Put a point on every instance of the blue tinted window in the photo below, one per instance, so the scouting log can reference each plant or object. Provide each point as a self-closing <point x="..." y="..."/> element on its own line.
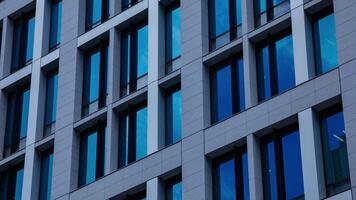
<point x="24" y="113"/>
<point x="224" y="181"/>
<point x="275" y="67"/>
<point x="223" y="95"/>
<point x="238" y="12"/>
<point x="91" y="156"/>
<point x="92" y="69"/>
<point x="56" y="23"/>
<point x="174" y="190"/>
<point x="125" y="58"/>
<point x="124" y="134"/>
<point x="51" y="99"/>
<point x="325" y="44"/>
<point x="30" y="38"/>
<point x="282" y="152"/>
<point x="337" y="177"/>
<point x="245" y="176"/>
<point x="173" y="37"/>
<point x="240" y="83"/>
<point x="174" y="113"/>
<point x="97" y="11"/>
<point x="292" y="162"/>
<point x="220" y="17"/>
<point x="285" y="64"/>
<point x="141" y="133"/>
<point x="142" y="51"/>
<point x="18" y="184"/>
<point x="46" y="176"/>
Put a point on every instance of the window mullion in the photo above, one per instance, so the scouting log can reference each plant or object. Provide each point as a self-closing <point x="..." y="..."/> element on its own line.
<point x="279" y="165"/>
<point x="272" y="66"/>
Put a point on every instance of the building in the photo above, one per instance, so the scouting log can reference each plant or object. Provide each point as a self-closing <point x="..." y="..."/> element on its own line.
<point x="169" y="99"/>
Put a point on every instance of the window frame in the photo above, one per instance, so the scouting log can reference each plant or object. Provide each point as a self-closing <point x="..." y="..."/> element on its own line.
<point x="51" y="74"/>
<point x="105" y="14"/>
<point x="269" y="11"/>
<point x="233" y="30"/>
<point x="276" y="136"/>
<point x="55" y="46"/>
<point x="169" y="64"/>
<point x="131" y="85"/>
<point x="99" y="129"/>
<point x="103" y="48"/>
<point x="231" y="61"/>
<point x="169" y="113"/>
<point x="235" y="155"/>
<point x="270" y="44"/>
<point x="316" y="44"/>
<point x="323" y="115"/>
<point x="45" y="154"/>
<point x="130" y="114"/>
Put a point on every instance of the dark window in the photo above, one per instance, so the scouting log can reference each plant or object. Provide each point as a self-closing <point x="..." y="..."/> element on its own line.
<point x="173" y="37"/>
<point x="227" y="85"/>
<point x="46" y="175"/>
<point x="132" y="135"/>
<point x="11" y="183"/>
<point x="95" y="79"/>
<point x="22" y="46"/>
<point x="174" y="189"/>
<point x="97" y="12"/>
<point x="92" y="147"/>
<point x="56" y="24"/>
<point x="134" y="57"/>
<point x="230" y="176"/>
<point x="267" y="10"/>
<point x="16" y="120"/>
<point x="275" y="66"/>
<point x="129" y="3"/>
<point x="51" y="103"/>
<point x="282" y="165"/>
<point x="336" y="165"/>
<point x="225" y="22"/>
<point x="325" y="42"/>
<point x="173" y="116"/>
<point x="138" y="196"/>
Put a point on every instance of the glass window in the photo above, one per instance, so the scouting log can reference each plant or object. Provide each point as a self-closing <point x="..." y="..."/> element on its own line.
<point x="275" y="66"/>
<point x="134" y="54"/>
<point x="92" y="144"/>
<point x="173" y="36"/>
<point x="129" y="3"/>
<point x="227" y="89"/>
<point x="325" y="43"/>
<point x="56" y="24"/>
<point x="138" y="196"/>
<point x="22" y="50"/>
<point x="132" y="135"/>
<point x="51" y="102"/>
<point x="97" y="12"/>
<point x="95" y="80"/>
<point x="174" y="189"/>
<point x="336" y="165"/>
<point x="174" y="116"/>
<point x="46" y="175"/>
<point x="11" y="183"/>
<point x="282" y="165"/>
<point x="230" y="176"/>
<point x="16" y="120"/>
<point x="225" y="22"/>
<point x="267" y="10"/>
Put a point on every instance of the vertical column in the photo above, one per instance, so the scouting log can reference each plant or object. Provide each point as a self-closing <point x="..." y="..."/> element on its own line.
<point x="154" y="189"/>
<point x="196" y="170"/>
<point x="254" y="166"/>
<point x="302" y="43"/>
<point x="195" y="76"/>
<point x="311" y="154"/>
<point x="154" y="100"/>
<point x="41" y="22"/>
<point x="31" y="178"/>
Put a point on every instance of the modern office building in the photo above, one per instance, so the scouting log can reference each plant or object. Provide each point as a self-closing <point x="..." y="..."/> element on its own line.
<point x="177" y="99"/>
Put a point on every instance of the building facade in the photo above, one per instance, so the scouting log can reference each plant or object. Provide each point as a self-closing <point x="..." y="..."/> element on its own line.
<point x="177" y="99"/>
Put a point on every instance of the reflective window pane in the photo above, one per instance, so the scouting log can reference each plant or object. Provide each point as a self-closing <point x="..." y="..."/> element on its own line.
<point x="224" y="181"/>
<point x="223" y="97"/>
<point x="240" y="83"/>
<point x="142" y="51"/>
<point x="18" y="184"/>
<point x="220" y="19"/>
<point x="46" y="176"/>
<point x="325" y="44"/>
<point x="96" y="12"/>
<point x="141" y="133"/>
<point x="263" y="72"/>
<point x="56" y="23"/>
<point x="285" y="64"/>
<point x="245" y="178"/>
<point x="269" y="172"/>
<point x="125" y="58"/>
<point x="337" y="177"/>
<point x="124" y="141"/>
<point x="30" y="38"/>
<point x="173" y="117"/>
<point x="51" y="99"/>
<point x="173" y="37"/>
<point x="174" y="189"/>
<point x="24" y="113"/>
